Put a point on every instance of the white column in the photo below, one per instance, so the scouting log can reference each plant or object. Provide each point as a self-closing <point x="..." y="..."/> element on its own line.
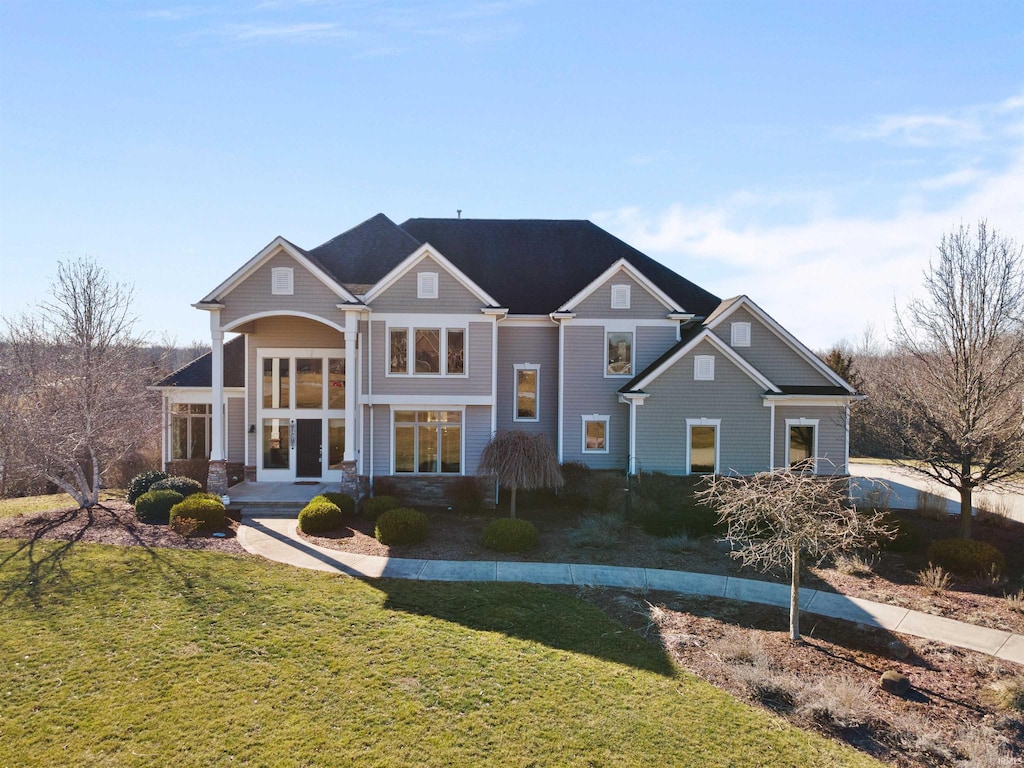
<point x="217" y="407"/>
<point x="351" y="383"/>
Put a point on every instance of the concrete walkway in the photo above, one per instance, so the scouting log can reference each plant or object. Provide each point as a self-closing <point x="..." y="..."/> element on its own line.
<point x="277" y="539"/>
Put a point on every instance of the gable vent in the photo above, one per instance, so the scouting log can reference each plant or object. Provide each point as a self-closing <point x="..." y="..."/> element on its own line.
<point x="741" y="334"/>
<point x="282" y="281"/>
<point x="426" y="285"/>
<point x="620" y="297"/>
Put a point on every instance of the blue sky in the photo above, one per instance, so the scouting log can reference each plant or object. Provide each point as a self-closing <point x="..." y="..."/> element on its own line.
<point x="808" y="154"/>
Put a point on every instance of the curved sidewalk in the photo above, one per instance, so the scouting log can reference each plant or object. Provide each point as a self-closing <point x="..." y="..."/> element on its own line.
<point x="276" y="538"/>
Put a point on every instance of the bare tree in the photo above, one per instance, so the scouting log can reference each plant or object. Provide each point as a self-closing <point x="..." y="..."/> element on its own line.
<point x="775" y="518"/>
<point x="521" y="460"/>
<point x="75" y="382"/>
<point x="952" y="393"/>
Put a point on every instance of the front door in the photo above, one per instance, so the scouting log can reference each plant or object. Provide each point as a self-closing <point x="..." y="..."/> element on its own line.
<point x="308" y="448"/>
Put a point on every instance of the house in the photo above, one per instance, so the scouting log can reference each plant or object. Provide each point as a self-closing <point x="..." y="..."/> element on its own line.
<point x="399" y="350"/>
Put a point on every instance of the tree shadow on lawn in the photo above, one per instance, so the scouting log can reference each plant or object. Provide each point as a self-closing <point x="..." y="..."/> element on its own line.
<point x="528" y="612"/>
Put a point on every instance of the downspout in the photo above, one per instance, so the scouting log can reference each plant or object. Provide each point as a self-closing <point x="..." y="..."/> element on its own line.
<point x="369" y="389"/>
<point x="632" y="436"/>
<point x="846" y="466"/>
<point x="561" y="386"/>
<point x="771" y="436"/>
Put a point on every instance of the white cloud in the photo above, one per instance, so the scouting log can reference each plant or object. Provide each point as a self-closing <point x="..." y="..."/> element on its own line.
<point x="285" y="32"/>
<point x="923" y="130"/>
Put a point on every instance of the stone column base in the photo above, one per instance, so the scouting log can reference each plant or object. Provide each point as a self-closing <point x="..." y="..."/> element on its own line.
<point x="217" y="480"/>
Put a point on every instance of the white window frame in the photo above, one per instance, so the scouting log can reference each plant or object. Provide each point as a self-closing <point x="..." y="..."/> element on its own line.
<point x="420" y="408"/>
<point x="632" y="353"/>
<point x="606" y="420"/>
<point x="426" y="285"/>
<point x="515" y="391"/>
<point x="176" y="416"/>
<point x="282" y="281"/>
<point x="690" y="423"/>
<point x="621" y="296"/>
<point x="739" y="334"/>
<point x="700" y="374"/>
<point x="410" y="350"/>
<point x="802" y="422"/>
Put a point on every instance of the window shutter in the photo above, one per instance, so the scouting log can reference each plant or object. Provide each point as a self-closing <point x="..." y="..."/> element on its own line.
<point x="282" y="281"/>
<point x="620" y="297"/>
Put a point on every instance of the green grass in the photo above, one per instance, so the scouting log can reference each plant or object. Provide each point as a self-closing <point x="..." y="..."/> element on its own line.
<point x="27" y="505"/>
<point x="127" y="656"/>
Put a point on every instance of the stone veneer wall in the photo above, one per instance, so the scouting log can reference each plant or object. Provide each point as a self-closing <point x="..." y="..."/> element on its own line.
<point x="428" y="490"/>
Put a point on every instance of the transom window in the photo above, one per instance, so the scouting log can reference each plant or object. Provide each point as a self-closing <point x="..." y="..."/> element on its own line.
<point x="300" y="383"/>
<point x="428" y="442"/>
<point x="435" y="351"/>
<point x="702" y="446"/>
<point x="190" y="431"/>
<point x="527" y="392"/>
<point x="595" y="434"/>
<point x="619" y="346"/>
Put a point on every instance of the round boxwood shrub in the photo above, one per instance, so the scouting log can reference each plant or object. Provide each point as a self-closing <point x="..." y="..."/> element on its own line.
<point x="342" y="501"/>
<point x="206" y="508"/>
<point x="155" y="506"/>
<point x="320" y="515"/>
<point x="142" y="483"/>
<point x="508" y="535"/>
<point x="967" y="558"/>
<point x="186" y="486"/>
<point x="401" y="525"/>
<point x="376" y="506"/>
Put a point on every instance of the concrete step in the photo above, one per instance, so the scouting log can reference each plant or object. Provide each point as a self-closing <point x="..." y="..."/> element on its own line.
<point x="269" y="508"/>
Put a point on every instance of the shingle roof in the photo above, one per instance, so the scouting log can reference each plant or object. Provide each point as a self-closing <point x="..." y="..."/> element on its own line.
<point x="199" y="373"/>
<point x="365" y="253"/>
<point x="533" y="266"/>
<point x="788" y="389"/>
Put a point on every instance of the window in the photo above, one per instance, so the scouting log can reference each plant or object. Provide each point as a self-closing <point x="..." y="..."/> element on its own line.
<point x="620" y="297"/>
<point x="282" y="281"/>
<point x="740" y="334"/>
<point x="527" y="392"/>
<point x="595" y="434"/>
<point x="801" y="444"/>
<point x="276" y="437"/>
<point x="456" y="351"/>
<point x="426" y="285"/>
<point x="428" y="442"/>
<point x="309" y="383"/>
<point x="435" y="351"/>
<point x="703" y="367"/>
<point x="702" y="446"/>
<point x="190" y="431"/>
<point x="276" y="383"/>
<point x="335" y="443"/>
<point x="336" y="382"/>
<point x="620" y="353"/>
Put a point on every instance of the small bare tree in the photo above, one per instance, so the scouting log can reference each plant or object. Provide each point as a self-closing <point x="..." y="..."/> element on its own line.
<point x="521" y="460"/>
<point x="952" y="394"/>
<point x="75" y="382"/>
<point x="774" y="519"/>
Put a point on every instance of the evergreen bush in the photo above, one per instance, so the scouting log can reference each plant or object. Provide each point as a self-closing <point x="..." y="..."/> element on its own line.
<point x="508" y="535"/>
<point x="401" y="525"/>
<point x="142" y="483"/>
<point x="374" y="507"/>
<point x="206" y="508"/>
<point x="320" y="515"/>
<point x="967" y="558"/>
<point x="155" y="506"/>
<point x="186" y="486"/>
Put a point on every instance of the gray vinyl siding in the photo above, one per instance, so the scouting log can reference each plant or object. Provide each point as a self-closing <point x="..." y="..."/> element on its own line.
<point x="769" y="354"/>
<point x="831" y="435"/>
<point x="479" y="349"/>
<point x="651" y="343"/>
<point x="381" y="440"/>
<point x="528" y="345"/>
<point x="476" y="433"/>
<point x="236" y="429"/>
<point x="587" y="391"/>
<point x="452" y="296"/>
<point x="254" y="295"/>
<point x="733" y="397"/>
<point x="641" y="305"/>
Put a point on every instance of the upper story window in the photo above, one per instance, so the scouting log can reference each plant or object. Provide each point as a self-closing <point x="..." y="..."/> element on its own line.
<point x="282" y="281"/>
<point x="619" y="360"/>
<point x="620" y="297"/>
<point x="703" y="367"/>
<point x="426" y="285"/>
<point x="740" y="335"/>
<point x="527" y="392"/>
<point x="435" y="351"/>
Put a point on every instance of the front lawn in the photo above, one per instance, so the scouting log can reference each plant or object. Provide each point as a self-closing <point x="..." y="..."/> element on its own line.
<point x="137" y="656"/>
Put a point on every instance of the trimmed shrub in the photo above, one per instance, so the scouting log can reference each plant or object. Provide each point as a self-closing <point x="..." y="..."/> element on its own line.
<point x="207" y="508"/>
<point x="402" y="525"/>
<point x="140" y="484"/>
<point x="342" y="501"/>
<point x="155" y="506"/>
<point x="320" y="515"/>
<point x="186" y="486"/>
<point x="967" y="558"/>
<point x="465" y="495"/>
<point x="374" y="507"/>
<point x="508" y="535"/>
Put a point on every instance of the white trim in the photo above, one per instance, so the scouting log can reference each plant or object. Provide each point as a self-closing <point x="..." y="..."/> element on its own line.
<point x="784" y="335"/>
<point x="283" y="313"/>
<point x="810" y="401"/>
<point x="561" y="391"/>
<point x="515" y="391"/>
<point x="588" y="417"/>
<point x="406" y="405"/>
<point x="703" y="367"/>
<point x="717" y="343"/>
<point x="608" y="274"/>
<point x="690" y="423"/>
<point x="426" y="323"/>
<point x="739" y="334"/>
<point x="447" y="402"/>
<point x="802" y="422"/>
<point x="529" y="321"/>
<point x="626" y="322"/>
<point x="414" y="258"/>
<point x="275" y="246"/>
<point x="771" y="436"/>
<point x="632" y="353"/>
<point x="418" y="318"/>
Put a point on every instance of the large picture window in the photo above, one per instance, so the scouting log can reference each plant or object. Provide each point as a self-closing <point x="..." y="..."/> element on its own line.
<point x="190" y="431"/>
<point x="620" y="353"/>
<point x="428" y="442"/>
<point x="435" y="351"/>
<point x="527" y="392"/>
<point x="702" y="446"/>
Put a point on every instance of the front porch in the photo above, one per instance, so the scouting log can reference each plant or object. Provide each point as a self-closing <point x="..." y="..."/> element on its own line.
<point x="275" y="499"/>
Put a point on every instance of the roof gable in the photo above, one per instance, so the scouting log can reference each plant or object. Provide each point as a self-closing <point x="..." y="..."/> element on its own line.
<point x="427" y="252"/>
<point x="366" y="253"/>
<point x="618" y="267"/>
